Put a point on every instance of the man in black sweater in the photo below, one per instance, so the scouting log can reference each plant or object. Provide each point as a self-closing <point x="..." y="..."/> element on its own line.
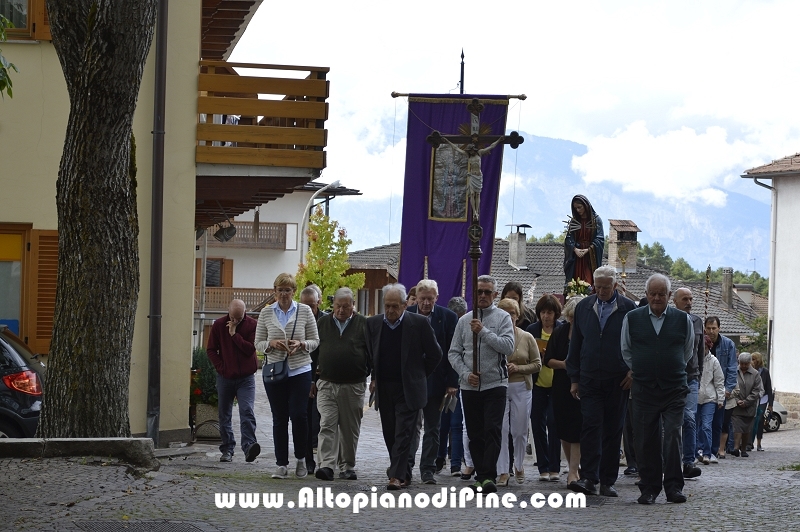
<point x="343" y="366"/>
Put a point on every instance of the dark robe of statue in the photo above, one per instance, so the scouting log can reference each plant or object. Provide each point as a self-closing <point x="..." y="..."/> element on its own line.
<point x="584" y="232"/>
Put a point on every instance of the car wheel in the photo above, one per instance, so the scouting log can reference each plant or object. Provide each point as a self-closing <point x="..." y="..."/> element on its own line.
<point x="8" y="430"/>
<point x="773" y="423"/>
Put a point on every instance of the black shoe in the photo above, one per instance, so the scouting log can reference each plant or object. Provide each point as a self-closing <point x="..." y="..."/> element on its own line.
<point x="631" y="471"/>
<point x="744" y="454"/>
<point x="455" y="471"/>
<point x="489" y="487"/>
<point x="428" y="478"/>
<point x="647" y="498"/>
<point x="348" y="475"/>
<point x="584" y="486"/>
<point x="439" y="464"/>
<point x="691" y="471"/>
<point x="226" y="457"/>
<point x="734" y="452"/>
<point x="528" y="450"/>
<point x="252" y="452"/>
<point x="608" y="491"/>
<point x="324" y="473"/>
<point x="676" y="497"/>
<point x="749" y="447"/>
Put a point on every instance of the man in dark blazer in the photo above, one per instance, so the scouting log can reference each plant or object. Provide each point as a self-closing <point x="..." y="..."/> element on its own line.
<point x="601" y="380"/>
<point x="404" y="352"/>
<point x="444" y="379"/>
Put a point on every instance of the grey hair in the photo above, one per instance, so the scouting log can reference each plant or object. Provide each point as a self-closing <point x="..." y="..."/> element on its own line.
<point x="569" y="307"/>
<point x="605" y="272"/>
<point x="745" y="357"/>
<point x="395" y="287"/>
<point x="458" y="305"/>
<point x="488" y="279"/>
<point x="311" y="290"/>
<point x="344" y="292"/>
<point x="658" y="277"/>
<point x="428" y="284"/>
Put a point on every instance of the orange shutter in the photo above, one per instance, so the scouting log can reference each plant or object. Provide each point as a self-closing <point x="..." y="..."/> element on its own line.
<point x="197" y="271"/>
<point x="42" y="278"/>
<point x="226" y="275"/>
<point x="41" y="21"/>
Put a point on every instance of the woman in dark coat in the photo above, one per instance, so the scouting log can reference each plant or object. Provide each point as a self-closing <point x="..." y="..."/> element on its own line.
<point x="583" y="246"/>
<point x="765" y="404"/>
<point x="747" y="394"/>
<point x="566" y="409"/>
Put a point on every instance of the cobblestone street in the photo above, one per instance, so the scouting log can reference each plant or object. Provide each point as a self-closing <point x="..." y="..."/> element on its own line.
<point x="93" y="494"/>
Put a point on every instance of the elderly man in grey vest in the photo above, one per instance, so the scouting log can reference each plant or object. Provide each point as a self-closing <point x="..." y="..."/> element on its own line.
<point x="657" y="342"/>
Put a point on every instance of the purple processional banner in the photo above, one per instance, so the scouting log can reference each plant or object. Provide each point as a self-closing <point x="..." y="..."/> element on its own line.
<point x="433" y="240"/>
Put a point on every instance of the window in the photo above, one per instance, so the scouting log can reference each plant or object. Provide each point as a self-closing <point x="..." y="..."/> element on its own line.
<point x="29" y="18"/>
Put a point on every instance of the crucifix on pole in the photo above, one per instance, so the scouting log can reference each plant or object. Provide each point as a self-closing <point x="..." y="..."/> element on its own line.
<point x="470" y="147"/>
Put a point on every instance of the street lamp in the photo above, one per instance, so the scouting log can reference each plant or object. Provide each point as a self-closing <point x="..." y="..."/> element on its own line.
<point x="304" y="221"/>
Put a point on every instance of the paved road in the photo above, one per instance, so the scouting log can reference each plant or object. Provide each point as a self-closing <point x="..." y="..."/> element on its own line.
<point x="95" y="494"/>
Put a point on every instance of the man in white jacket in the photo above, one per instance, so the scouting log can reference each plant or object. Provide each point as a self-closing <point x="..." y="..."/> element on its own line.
<point x="710" y="398"/>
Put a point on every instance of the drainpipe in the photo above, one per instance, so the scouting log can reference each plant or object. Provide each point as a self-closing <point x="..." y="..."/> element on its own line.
<point x="156" y="229"/>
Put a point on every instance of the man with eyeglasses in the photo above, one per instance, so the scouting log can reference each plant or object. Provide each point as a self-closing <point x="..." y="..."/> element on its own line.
<point x="443" y="381"/>
<point x="231" y="349"/>
<point x="600" y="380"/>
<point x="657" y="342"/>
<point x="483" y="389"/>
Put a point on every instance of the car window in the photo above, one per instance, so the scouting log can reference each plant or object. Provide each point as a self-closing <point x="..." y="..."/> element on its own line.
<point x="9" y="358"/>
<point x="23" y="350"/>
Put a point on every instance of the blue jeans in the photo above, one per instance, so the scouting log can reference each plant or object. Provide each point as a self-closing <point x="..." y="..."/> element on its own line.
<point x="289" y="400"/>
<point x="690" y="424"/>
<point x="452" y="426"/>
<point x="245" y="390"/>
<point x="705" y="416"/>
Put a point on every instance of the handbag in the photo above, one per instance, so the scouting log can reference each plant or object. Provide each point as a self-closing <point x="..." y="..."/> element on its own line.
<point x="276" y="372"/>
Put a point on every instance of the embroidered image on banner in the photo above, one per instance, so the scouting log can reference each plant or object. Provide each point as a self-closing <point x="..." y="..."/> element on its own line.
<point x="448" y="194"/>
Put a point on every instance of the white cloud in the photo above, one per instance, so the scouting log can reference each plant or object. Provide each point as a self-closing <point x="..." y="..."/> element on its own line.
<point x="681" y="164"/>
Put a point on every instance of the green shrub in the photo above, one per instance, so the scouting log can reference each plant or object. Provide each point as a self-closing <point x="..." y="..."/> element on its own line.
<point x="204" y="379"/>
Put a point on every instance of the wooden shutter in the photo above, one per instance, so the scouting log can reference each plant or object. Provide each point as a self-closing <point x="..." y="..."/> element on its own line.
<point x="42" y="265"/>
<point x="197" y="271"/>
<point x="226" y="275"/>
<point x="41" y="21"/>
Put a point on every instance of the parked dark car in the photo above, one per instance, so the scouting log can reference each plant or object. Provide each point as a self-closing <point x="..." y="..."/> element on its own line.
<point x="21" y="386"/>
<point x="778" y="417"/>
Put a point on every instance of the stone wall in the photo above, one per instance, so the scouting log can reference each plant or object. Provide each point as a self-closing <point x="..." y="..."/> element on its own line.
<point x="790" y="401"/>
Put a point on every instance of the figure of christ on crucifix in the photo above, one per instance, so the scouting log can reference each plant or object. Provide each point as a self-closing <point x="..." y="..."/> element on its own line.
<point x="474" y="173"/>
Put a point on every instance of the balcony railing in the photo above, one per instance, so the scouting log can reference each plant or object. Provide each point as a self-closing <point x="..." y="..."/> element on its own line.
<point x="269" y="236"/>
<point x="218" y="299"/>
<point x="268" y="121"/>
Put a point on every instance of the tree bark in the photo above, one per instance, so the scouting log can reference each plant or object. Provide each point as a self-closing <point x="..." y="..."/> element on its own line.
<point x="102" y="46"/>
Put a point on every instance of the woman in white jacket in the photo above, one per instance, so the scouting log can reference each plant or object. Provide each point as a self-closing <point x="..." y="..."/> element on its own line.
<point x="710" y="397"/>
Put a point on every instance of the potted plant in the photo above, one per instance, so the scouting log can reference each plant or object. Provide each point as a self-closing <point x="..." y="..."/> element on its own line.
<point x="204" y="411"/>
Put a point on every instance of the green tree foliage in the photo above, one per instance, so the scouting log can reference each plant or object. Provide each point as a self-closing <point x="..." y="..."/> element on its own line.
<point x="5" y="66"/>
<point x="549" y="238"/>
<point x="682" y="270"/>
<point x="656" y="256"/>
<point x="759" y="343"/>
<point x="326" y="260"/>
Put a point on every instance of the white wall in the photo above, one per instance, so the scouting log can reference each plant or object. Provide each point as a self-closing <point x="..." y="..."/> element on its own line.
<point x="785" y="288"/>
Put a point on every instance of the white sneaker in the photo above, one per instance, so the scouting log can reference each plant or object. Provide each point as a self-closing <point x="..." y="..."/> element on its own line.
<point x="300" y="470"/>
<point x="281" y="472"/>
<point x="713" y="459"/>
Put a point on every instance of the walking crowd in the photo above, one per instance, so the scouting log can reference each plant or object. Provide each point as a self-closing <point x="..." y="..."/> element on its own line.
<point x="474" y="385"/>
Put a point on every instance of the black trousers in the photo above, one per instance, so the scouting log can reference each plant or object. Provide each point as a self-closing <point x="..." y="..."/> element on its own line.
<point x="313" y="433"/>
<point x="483" y="415"/>
<point x="603" y="406"/>
<point x="398" y="423"/>
<point x="652" y="409"/>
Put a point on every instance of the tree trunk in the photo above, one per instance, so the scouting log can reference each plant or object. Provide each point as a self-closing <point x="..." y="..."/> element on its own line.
<point x="102" y="46"/>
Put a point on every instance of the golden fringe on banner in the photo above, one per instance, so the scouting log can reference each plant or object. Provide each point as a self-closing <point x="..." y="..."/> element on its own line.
<point x="455" y="100"/>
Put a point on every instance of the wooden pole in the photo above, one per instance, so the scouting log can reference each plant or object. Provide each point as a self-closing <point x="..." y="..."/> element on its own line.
<point x="475" y="232"/>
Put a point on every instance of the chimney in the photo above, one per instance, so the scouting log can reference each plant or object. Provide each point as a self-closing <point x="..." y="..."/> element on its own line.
<point x="622" y="246"/>
<point x="516" y="247"/>
<point x="727" y="287"/>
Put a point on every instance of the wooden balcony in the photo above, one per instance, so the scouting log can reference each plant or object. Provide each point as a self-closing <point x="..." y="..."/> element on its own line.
<point x="218" y="299"/>
<point x="258" y="137"/>
<point x="268" y="236"/>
